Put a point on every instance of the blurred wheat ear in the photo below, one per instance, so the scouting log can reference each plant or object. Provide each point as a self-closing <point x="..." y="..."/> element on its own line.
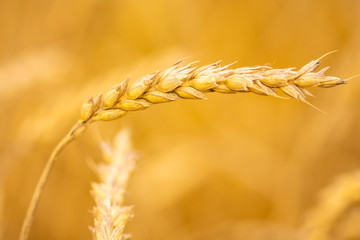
<point x="335" y="200"/>
<point x="185" y="82"/>
<point x="110" y="216"/>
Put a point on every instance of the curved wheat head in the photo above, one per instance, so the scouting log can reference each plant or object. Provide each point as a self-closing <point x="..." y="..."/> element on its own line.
<point x="185" y="82"/>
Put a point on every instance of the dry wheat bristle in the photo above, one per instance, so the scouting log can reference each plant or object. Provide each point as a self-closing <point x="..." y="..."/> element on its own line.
<point x="190" y="82"/>
<point x="110" y="214"/>
<point x="334" y="202"/>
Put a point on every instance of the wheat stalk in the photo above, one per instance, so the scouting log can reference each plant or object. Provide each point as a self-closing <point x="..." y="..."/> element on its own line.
<point x="334" y="201"/>
<point x="110" y="216"/>
<point x="185" y="82"/>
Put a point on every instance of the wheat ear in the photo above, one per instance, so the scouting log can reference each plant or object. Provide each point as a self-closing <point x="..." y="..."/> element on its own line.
<point x="334" y="201"/>
<point x="186" y="82"/>
<point x="110" y="216"/>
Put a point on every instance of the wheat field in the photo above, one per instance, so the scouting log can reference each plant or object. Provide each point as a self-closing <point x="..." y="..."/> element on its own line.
<point x="234" y="166"/>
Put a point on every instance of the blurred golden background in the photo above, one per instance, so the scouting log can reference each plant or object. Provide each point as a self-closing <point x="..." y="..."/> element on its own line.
<point x="233" y="167"/>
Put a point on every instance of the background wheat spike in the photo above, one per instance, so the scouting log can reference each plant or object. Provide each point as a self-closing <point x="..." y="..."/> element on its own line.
<point x="110" y="214"/>
<point x="335" y="200"/>
<point x="185" y="82"/>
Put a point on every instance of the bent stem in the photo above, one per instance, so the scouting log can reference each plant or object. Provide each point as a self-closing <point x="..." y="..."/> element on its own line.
<point x="76" y="131"/>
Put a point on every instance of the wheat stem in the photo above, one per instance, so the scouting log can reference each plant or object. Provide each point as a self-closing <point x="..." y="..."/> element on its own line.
<point x="26" y="226"/>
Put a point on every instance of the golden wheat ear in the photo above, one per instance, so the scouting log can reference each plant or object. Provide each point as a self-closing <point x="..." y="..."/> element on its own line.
<point x="191" y="82"/>
<point x="185" y="82"/>
<point x="110" y="214"/>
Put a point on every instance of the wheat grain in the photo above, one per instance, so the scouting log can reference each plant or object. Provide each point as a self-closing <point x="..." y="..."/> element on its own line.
<point x="334" y="201"/>
<point x="110" y="216"/>
<point x="185" y="82"/>
<point x="191" y="82"/>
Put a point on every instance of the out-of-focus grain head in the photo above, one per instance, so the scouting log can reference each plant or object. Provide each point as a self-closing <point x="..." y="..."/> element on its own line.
<point x="110" y="213"/>
<point x="336" y="202"/>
